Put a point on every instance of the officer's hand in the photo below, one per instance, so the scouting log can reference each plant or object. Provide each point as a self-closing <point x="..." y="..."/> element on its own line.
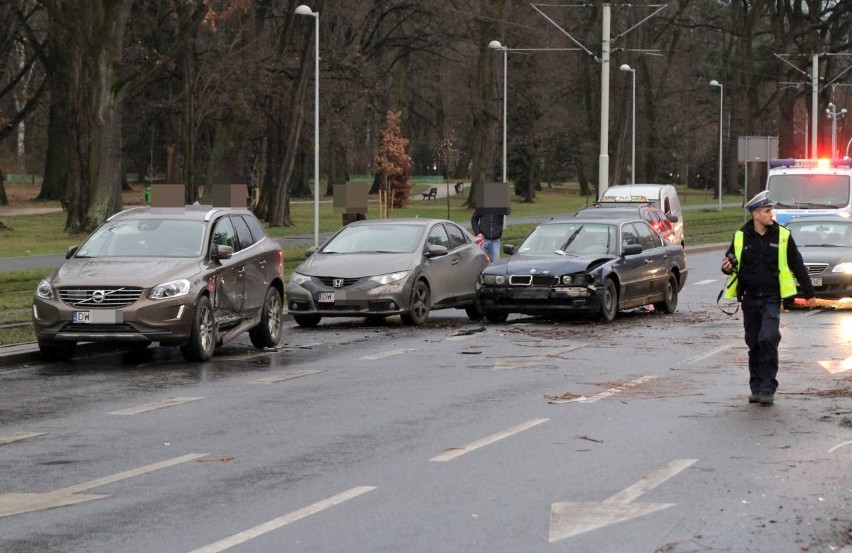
<point x="727" y="267"/>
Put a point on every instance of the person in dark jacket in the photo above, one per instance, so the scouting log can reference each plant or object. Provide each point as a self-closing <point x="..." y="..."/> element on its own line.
<point x="762" y="261"/>
<point x="487" y="223"/>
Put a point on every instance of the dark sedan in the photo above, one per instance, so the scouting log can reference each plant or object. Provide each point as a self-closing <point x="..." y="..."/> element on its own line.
<point x="585" y="266"/>
<point x="825" y="243"/>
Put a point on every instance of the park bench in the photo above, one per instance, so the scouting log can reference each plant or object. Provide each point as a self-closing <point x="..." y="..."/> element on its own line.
<point x="433" y="192"/>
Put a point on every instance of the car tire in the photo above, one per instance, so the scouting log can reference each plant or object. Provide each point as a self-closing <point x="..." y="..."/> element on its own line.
<point x="609" y="302"/>
<point x="267" y="333"/>
<point x="496" y="317"/>
<point x="202" y="337"/>
<point x="474" y="311"/>
<point x="418" y="309"/>
<point x="307" y="321"/>
<point x="57" y="351"/>
<point x="669" y="303"/>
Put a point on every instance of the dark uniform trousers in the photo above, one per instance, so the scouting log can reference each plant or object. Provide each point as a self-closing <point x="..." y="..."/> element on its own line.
<point x="762" y="321"/>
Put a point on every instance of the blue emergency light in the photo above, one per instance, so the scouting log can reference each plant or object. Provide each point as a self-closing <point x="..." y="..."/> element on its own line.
<point x="811" y="163"/>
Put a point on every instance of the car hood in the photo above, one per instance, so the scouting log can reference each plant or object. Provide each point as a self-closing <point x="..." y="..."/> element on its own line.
<point x="357" y="265"/>
<point x="520" y="264"/>
<point x="825" y="254"/>
<point x="124" y="271"/>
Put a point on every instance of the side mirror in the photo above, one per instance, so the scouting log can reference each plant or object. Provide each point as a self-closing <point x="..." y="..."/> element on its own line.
<point x="71" y="251"/>
<point x="434" y="250"/>
<point x="509" y="249"/>
<point x="220" y="251"/>
<point x="671" y="217"/>
<point x="632" y="249"/>
<point x="310" y="251"/>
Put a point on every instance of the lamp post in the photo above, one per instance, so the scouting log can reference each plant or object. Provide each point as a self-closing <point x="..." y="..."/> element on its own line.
<point x="625" y="67"/>
<point x="306" y="10"/>
<point x="832" y="114"/>
<point x="495" y="45"/>
<point x="714" y="82"/>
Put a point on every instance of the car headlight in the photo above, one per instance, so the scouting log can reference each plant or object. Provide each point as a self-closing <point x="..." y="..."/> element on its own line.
<point x="389" y="278"/>
<point x="168" y="290"/>
<point x="845" y="268"/>
<point x="299" y="278"/>
<point x="493" y="280"/>
<point x="577" y="280"/>
<point x="44" y="290"/>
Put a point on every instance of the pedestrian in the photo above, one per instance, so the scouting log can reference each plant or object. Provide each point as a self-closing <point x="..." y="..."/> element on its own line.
<point x="761" y="261"/>
<point x="487" y="224"/>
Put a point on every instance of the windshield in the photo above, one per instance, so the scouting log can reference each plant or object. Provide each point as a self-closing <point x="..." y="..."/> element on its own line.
<point x="810" y="191"/>
<point x="821" y="233"/>
<point x="382" y="238"/>
<point x="570" y="238"/>
<point x="145" y="238"/>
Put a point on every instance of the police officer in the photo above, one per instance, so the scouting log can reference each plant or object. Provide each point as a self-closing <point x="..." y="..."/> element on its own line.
<point x="766" y="259"/>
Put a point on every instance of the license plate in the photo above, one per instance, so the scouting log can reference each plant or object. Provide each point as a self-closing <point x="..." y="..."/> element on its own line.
<point x="108" y="316"/>
<point x="816" y="281"/>
<point x="325" y="297"/>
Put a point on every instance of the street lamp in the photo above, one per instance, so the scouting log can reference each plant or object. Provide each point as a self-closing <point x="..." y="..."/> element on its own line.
<point x="306" y="10"/>
<point x="625" y="67"/>
<point x="714" y="82"/>
<point x="495" y="45"/>
<point x="832" y="114"/>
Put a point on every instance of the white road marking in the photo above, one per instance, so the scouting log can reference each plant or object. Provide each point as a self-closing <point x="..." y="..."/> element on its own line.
<point x="701" y="356"/>
<point x="384" y="355"/>
<point x="517" y="362"/>
<point x="571" y="519"/>
<point x="459" y="451"/>
<point x="838" y="446"/>
<point x="606" y="393"/>
<point x="705" y="282"/>
<point x="837" y="366"/>
<point x="154" y="406"/>
<point x="287" y="376"/>
<point x="18" y="436"/>
<point x="276" y="523"/>
<point x="17" y="503"/>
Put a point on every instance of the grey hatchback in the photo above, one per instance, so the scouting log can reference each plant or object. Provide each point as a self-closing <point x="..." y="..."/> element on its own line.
<point x="375" y="269"/>
<point x="194" y="276"/>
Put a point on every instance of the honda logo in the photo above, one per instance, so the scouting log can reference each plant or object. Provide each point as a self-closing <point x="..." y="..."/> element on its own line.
<point x="338" y="283"/>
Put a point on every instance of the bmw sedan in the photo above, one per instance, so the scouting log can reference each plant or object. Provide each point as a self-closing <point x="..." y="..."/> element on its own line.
<point x="585" y="266"/>
<point x="375" y="269"/>
<point x="193" y="276"/>
<point x="825" y="243"/>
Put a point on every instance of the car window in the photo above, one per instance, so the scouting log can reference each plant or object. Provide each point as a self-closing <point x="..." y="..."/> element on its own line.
<point x="255" y="227"/>
<point x="648" y="238"/>
<point x="243" y="233"/>
<point x="224" y="234"/>
<point x="438" y="237"/>
<point x="629" y="236"/>
<point x="457" y="237"/>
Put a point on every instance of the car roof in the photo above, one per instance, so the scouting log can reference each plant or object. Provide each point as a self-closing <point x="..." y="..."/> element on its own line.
<point x="421" y="221"/>
<point x="193" y="212"/>
<point x="615" y="218"/>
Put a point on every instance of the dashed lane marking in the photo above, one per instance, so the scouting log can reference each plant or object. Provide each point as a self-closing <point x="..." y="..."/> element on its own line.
<point x="154" y="406"/>
<point x="607" y="393"/>
<point x="286" y="376"/>
<point x="18" y="436"/>
<point x="276" y="523"/>
<point x="384" y="355"/>
<point x="705" y="282"/>
<point x="452" y="453"/>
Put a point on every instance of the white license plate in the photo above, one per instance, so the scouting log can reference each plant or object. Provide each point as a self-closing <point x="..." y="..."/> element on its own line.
<point x="816" y="281"/>
<point x="109" y="316"/>
<point x="325" y="297"/>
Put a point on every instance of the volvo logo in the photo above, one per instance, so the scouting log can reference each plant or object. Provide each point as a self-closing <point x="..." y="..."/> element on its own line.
<point x="338" y="283"/>
<point x="98" y="296"/>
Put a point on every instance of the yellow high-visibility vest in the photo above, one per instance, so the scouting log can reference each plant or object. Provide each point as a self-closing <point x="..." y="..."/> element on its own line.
<point x="785" y="276"/>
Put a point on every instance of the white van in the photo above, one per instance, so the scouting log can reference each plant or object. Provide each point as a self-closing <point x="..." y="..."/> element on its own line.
<point x="664" y="196"/>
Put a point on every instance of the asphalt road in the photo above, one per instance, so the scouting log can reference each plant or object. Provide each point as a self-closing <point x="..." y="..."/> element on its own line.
<point x="451" y="437"/>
